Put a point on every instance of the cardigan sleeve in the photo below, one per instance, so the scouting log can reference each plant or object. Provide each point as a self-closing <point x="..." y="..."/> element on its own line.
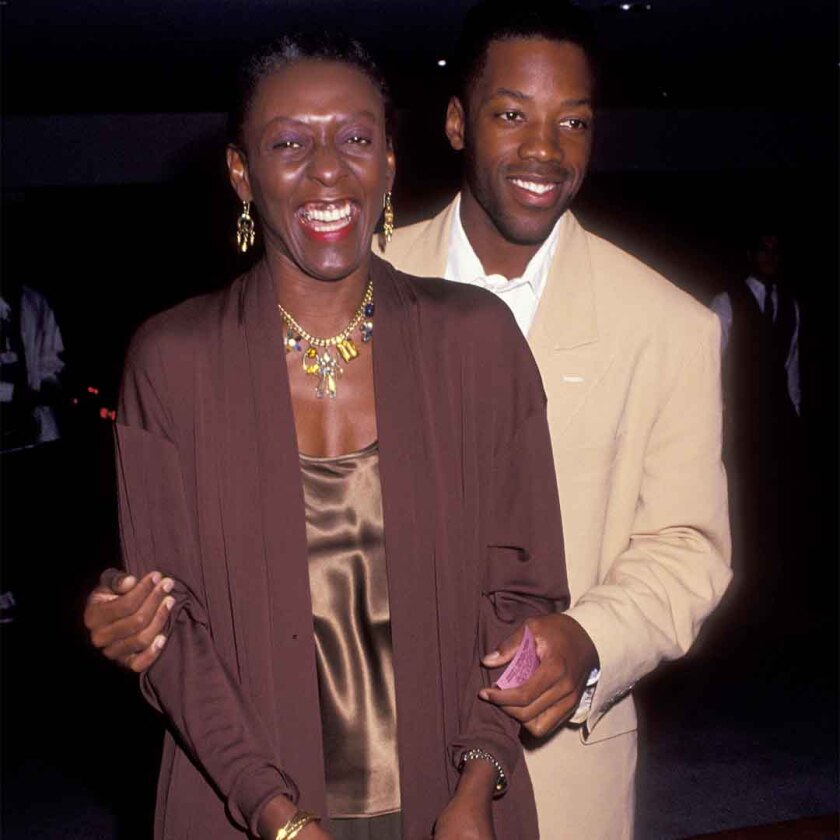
<point x="525" y="575"/>
<point x="189" y="683"/>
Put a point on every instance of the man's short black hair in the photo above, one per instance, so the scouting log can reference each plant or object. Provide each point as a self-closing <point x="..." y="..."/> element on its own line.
<point x="502" y="20"/>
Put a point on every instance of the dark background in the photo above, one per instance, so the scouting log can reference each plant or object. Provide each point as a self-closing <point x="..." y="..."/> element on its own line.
<point x="714" y="116"/>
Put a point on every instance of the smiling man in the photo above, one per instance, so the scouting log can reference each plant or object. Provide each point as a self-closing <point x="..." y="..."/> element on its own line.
<point x="631" y="369"/>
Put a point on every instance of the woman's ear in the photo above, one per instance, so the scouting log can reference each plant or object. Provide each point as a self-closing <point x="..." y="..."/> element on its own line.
<point x="237" y="165"/>
<point x="390" y="168"/>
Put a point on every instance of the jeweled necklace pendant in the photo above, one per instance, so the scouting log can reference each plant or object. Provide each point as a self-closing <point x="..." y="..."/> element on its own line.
<point x="318" y="360"/>
<point x="326" y="368"/>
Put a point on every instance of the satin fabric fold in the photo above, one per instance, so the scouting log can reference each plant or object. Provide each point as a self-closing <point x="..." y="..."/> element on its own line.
<point x="348" y="581"/>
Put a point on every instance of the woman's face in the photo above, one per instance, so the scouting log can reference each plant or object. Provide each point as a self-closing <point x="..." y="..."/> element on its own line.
<point x="317" y="163"/>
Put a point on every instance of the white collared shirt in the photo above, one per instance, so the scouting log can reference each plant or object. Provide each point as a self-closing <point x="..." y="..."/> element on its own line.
<point x="722" y="306"/>
<point x="521" y="294"/>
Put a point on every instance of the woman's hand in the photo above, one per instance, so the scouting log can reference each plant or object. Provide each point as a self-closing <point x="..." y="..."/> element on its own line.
<point x="468" y="816"/>
<point x="278" y="812"/>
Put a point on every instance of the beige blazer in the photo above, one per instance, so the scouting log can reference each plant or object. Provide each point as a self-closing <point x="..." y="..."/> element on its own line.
<point x="631" y="368"/>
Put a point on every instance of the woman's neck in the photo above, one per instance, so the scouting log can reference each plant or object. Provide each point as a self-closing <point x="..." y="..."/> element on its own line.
<point x="322" y="307"/>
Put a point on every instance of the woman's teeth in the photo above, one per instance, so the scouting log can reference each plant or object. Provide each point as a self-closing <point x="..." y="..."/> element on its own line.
<point x="328" y="217"/>
<point x="533" y="186"/>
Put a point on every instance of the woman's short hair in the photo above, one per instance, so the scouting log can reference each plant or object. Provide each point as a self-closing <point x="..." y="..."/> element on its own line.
<point x="288" y="49"/>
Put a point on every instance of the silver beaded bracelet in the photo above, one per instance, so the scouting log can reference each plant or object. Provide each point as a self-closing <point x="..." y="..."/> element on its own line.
<point x="501" y="779"/>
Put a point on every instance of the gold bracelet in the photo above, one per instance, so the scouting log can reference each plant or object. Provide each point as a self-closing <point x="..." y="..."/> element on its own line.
<point x="295" y="825"/>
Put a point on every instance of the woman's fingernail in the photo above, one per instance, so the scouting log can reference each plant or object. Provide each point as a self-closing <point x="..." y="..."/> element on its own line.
<point x="156" y="578"/>
<point x="483" y="694"/>
<point x="168" y="585"/>
<point x="159" y="642"/>
<point x="169" y="602"/>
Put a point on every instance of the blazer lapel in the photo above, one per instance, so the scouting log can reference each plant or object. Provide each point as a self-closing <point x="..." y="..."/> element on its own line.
<point x="565" y="338"/>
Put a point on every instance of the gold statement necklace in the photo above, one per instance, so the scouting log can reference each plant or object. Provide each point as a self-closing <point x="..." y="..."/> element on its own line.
<point x="319" y="359"/>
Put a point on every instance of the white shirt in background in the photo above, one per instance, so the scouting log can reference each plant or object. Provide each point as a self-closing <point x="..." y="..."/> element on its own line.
<point x="42" y="346"/>
<point x="722" y="306"/>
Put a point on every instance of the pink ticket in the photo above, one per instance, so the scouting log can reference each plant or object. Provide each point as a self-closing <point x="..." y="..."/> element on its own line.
<point x="523" y="664"/>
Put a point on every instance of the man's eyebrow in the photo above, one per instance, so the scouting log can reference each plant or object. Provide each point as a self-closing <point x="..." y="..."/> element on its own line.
<point x="513" y="94"/>
<point x="524" y="97"/>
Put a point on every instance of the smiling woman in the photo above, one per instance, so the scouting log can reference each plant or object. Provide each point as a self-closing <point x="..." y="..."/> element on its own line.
<point x="314" y="153"/>
<point x="340" y="557"/>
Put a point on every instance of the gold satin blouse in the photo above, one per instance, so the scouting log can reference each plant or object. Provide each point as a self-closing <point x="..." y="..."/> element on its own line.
<point x="348" y="580"/>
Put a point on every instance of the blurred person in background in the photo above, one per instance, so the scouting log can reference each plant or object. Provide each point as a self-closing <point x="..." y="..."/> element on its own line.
<point x="31" y="395"/>
<point x="760" y="323"/>
<point x="760" y="335"/>
<point x="31" y="363"/>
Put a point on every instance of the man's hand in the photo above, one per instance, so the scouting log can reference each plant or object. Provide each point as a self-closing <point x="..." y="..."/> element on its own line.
<point x="550" y="697"/>
<point x="468" y="816"/>
<point x="125" y="617"/>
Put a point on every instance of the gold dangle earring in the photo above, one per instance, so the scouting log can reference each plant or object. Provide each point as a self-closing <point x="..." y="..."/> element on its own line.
<point x="245" y="228"/>
<point x="388" y="217"/>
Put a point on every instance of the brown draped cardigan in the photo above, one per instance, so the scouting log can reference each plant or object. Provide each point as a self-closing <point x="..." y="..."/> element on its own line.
<point x="210" y="493"/>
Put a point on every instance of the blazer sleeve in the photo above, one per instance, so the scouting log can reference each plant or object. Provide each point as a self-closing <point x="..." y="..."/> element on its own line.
<point x="189" y="683"/>
<point x="525" y="573"/>
<point x="676" y="566"/>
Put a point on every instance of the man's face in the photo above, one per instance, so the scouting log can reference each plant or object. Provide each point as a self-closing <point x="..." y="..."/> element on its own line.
<point x="526" y="129"/>
<point x="766" y="257"/>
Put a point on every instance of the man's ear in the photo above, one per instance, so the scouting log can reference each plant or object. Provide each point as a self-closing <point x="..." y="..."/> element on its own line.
<point x="455" y="123"/>
<point x="238" y="173"/>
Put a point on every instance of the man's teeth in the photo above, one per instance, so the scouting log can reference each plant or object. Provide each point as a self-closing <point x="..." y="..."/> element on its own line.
<point x="532" y="186"/>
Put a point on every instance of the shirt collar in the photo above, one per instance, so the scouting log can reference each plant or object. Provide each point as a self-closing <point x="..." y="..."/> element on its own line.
<point x="761" y="287"/>
<point x="464" y="266"/>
